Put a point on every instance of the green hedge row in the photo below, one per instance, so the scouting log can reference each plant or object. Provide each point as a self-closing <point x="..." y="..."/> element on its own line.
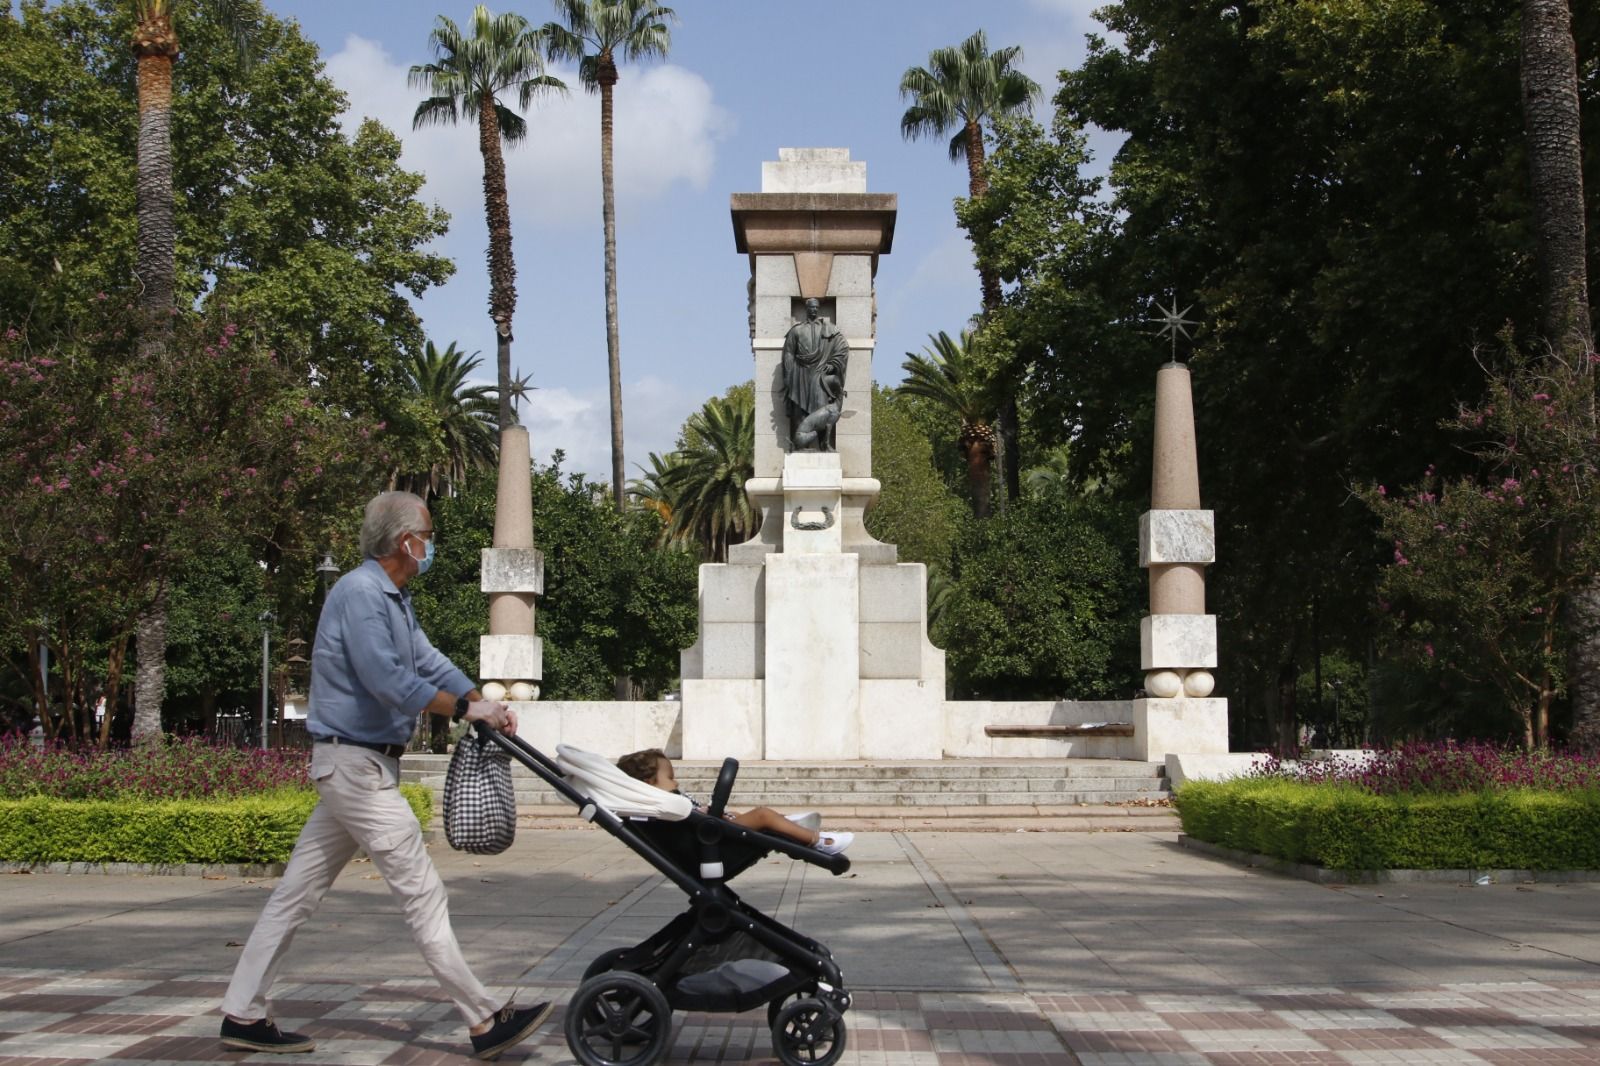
<point x="1346" y="828"/>
<point x="248" y="829"/>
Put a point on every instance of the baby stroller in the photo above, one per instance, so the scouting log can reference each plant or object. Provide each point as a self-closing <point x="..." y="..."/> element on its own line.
<point x="721" y="955"/>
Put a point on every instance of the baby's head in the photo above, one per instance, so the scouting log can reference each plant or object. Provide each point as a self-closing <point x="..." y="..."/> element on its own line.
<point x="650" y="766"/>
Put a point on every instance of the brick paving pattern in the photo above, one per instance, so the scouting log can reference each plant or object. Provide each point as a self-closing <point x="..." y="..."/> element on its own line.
<point x="64" y="1018"/>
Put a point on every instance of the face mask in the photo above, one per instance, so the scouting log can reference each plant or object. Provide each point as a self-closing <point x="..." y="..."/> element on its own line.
<point x="427" y="556"/>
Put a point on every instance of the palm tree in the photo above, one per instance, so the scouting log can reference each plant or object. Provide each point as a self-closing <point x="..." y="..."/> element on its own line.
<point x="705" y="482"/>
<point x="961" y="88"/>
<point x="596" y="32"/>
<point x="649" y="492"/>
<point x="463" y="417"/>
<point x="1552" y="118"/>
<point x="155" y="48"/>
<point x="948" y="373"/>
<point x="467" y="76"/>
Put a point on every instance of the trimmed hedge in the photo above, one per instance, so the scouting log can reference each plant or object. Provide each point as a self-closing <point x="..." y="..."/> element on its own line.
<point x="1346" y="828"/>
<point x="248" y="829"/>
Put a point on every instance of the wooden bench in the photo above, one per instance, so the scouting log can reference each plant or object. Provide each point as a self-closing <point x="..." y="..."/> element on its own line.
<point x="1109" y="729"/>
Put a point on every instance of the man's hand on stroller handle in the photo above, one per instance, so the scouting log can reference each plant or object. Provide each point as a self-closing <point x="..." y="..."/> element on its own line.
<point x="494" y="714"/>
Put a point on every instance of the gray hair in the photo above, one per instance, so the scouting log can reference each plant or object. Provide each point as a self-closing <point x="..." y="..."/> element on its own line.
<point x="389" y="516"/>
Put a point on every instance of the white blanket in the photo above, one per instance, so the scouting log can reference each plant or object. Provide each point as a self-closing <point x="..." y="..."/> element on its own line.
<point x="624" y="796"/>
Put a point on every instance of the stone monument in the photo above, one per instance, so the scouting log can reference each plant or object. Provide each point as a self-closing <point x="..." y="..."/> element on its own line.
<point x="510" y="656"/>
<point x="1177" y="540"/>
<point x="813" y="636"/>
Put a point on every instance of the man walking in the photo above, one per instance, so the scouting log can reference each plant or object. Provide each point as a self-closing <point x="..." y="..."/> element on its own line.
<point x="372" y="673"/>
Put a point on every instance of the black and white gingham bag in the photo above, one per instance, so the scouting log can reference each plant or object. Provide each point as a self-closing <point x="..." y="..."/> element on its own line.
<point x="480" y="805"/>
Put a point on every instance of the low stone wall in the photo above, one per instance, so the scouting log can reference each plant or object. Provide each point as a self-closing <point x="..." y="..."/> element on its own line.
<point x="619" y="726"/>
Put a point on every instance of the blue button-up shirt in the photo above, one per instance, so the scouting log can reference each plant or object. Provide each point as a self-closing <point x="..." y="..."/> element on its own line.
<point x="372" y="668"/>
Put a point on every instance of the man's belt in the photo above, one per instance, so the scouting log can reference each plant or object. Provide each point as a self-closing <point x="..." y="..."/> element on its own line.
<point x="393" y="751"/>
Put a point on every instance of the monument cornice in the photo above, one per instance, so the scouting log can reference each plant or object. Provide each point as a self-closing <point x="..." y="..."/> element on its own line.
<point x="778" y="222"/>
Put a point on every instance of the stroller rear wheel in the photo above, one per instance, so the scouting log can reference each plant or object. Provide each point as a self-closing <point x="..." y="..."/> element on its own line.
<point x="618" y="1019"/>
<point x="808" y="1032"/>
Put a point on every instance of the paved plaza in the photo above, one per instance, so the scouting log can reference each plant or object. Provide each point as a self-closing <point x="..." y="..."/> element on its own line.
<point x="961" y="948"/>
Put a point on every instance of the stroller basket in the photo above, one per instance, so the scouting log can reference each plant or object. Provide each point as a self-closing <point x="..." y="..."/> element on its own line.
<point x="720" y="955"/>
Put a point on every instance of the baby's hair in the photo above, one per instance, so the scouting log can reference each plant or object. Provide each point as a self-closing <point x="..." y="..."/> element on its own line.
<point x="643" y="765"/>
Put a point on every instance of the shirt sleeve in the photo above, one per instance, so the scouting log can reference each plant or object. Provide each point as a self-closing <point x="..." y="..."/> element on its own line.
<point x="437" y="670"/>
<point x="375" y="657"/>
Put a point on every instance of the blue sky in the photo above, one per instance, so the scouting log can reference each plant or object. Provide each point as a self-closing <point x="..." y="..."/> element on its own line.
<point x="744" y="78"/>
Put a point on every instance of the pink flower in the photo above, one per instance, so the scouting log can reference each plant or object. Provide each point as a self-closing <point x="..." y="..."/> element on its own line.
<point x="1429" y="649"/>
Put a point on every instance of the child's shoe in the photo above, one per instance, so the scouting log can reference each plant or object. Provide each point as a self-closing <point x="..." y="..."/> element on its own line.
<point x="806" y="820"/>
<point x="833" y="843"/>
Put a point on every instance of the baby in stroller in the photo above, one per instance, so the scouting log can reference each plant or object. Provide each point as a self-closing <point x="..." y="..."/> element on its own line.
<point x="654" y="768"/>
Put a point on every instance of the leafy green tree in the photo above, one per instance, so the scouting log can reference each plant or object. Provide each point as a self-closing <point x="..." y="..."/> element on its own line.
<point x="460" y="422"/>
<point x="613" y="605"/>
<point x="596" y="33"/>
<point x="950" y="374"/>
<point x="466" y="78"/>
<point x="916" y="511"/>
<point x="1043" y="603"/>
<point x="1340" y="192"/>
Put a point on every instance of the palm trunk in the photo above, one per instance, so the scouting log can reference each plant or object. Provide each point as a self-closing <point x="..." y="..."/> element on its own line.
<point x="1551" y="117"/>
<point x="979" y="455"/>
<point x="608" y="79"/>
<point x="150" y="686"/>
<point x="1006" y="421"/>
<point x="502" y="266"/>
<point x="1552" y="120"/>
<point x="156" y="46"/>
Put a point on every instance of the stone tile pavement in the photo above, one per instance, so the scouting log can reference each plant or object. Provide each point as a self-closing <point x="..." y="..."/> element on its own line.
<point x="961" y="948"/>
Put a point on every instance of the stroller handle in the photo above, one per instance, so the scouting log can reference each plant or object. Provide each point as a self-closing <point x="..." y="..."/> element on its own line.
<point x="724" y="787"/>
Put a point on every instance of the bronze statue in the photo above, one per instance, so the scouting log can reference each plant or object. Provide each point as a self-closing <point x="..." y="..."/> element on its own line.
<point x="815" y="355"/>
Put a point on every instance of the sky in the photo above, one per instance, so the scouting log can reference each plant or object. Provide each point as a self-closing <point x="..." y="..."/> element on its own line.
<point x="743" y="78"/>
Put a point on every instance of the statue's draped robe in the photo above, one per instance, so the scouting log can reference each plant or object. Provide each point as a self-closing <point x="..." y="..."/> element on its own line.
<point x="815" y="355"/>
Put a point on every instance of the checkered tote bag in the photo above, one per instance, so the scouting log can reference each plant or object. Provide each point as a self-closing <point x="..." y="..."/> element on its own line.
<point x="480" y="805"/>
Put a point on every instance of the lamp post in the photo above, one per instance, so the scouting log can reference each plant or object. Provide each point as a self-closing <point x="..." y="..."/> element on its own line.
<point x="327" y="570"/>
<point x="266" y="681"/>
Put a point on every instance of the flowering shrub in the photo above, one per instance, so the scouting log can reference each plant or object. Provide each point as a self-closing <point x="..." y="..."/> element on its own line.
<point x="177" y="769"/>
<point x="1481" y="565"/>
<point x="1421" y="768"/>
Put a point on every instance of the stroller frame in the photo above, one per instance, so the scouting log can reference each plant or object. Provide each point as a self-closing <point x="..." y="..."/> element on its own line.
<point x="621" y="1013"/>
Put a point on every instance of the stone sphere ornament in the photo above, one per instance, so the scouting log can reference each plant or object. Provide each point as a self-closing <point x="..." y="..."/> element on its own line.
<point x="522" y="692"/>
<point x="1198" y="684"/>
<point x="1163" y="684"/>
<point x="493" y="691"/>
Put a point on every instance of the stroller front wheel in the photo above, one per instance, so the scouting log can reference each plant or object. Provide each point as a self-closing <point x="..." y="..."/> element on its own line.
<point x="808" y="1032"/>
<point x="618" y="1019"/>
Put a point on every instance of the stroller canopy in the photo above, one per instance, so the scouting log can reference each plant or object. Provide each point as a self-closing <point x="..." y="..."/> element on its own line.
<point x="614" y="790"/>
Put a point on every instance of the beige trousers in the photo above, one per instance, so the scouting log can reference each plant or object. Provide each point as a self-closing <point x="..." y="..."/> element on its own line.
<point x="359" y="806"/>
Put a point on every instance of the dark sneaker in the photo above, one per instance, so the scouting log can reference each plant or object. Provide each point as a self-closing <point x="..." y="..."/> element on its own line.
<point x="512" y="1025"/>
<point x="263" y="1035"/>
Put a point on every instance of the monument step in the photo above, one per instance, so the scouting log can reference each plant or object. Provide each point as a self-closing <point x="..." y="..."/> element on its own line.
<point x="808" y="801"/>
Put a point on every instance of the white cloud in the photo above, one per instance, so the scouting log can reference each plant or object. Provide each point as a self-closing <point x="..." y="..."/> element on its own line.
<point x="668" y="129"/>
<point x="579" y="423"/>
